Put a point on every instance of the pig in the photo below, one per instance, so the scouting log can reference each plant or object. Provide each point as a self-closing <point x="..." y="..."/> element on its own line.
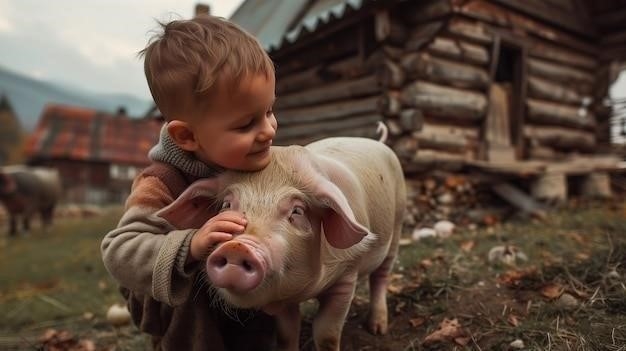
<point x="25" y="191"/>
<point x="319" y="216"/>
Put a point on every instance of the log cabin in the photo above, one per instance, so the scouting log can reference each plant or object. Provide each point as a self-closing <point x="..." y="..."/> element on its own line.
<point x="504" y="87"/>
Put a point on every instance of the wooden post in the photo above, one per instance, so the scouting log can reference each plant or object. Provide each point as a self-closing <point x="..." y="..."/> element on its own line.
<point x="550" y="186"/>
<point x="596" y="185"/>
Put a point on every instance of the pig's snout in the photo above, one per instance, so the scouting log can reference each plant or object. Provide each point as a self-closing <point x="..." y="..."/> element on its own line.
<point x="235" y="266"/>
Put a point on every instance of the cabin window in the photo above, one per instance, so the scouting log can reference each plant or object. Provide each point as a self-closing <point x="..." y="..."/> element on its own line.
<point x="122" y="172"/>
<point x="618" y="104"/>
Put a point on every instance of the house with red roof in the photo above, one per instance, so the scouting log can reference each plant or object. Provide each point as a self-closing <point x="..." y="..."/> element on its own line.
<point x="97" y="154"/>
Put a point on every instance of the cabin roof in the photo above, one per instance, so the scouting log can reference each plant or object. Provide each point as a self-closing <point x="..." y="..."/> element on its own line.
<point x="277" y="23"/>
<point x="80" y="134"/>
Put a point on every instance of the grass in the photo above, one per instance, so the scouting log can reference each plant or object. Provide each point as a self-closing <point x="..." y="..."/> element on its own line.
<point x="56" y="280"/>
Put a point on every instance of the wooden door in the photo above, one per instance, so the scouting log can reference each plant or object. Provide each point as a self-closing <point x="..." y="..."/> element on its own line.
<point x="502" y="135"/>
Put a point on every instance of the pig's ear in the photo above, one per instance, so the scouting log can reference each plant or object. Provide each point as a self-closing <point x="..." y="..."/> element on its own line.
<point x="194" y="206"/>
<point x="340" y="226"/>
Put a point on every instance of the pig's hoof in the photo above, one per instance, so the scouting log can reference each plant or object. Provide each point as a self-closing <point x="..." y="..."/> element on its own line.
<point x="378" y="326"/>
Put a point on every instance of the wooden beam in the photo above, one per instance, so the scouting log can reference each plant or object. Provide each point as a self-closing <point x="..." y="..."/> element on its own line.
<point x="328" y="111"/>
<point x="561" y="56"/>
<point x="321" y="128"/>
<point x="541" y="10"/>
<point x="547" y="90"/>
<point x="470" y="30"/>
<point x="320" y="74"/>
<point x="428" y="11"/>
<point x="438" y="100"/>
<point x="459" y="49"/>
<point x="348" y="89"/>
<point x="448" y="72"/>
<point x="544" y="112"/>
<point x="561" y="73"/>
<point x="519" y="199"/>
<point x="560" y="138"/>
<point x="422" y="34"/>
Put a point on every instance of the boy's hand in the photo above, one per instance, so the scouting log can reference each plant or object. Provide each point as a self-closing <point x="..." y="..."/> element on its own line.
<point x="216" y="230"/>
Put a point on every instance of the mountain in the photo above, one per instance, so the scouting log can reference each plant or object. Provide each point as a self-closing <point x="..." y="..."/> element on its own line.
<point x="28" y="97"/>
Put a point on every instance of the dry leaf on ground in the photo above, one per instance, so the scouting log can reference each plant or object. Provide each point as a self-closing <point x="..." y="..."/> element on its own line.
<point x="449" y="330"/>
<point x="551" y="290"/>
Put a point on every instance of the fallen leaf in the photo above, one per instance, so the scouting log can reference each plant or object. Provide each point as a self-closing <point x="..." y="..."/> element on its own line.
<point x="449" y="330"/>
<point x="576" y="236"/>
<point x="513" y="278"/>
<point x="512" y="319"/>
<point x="551" y="290"/>
<point x="400" y="306"/>
<point x="467" y="246"/>
<point x="462" y="340"/>
<point x="582" y="256"/>
<point x="426" y="263"/>
<point x="490" y="220"/>
<point x="416" y="322"/>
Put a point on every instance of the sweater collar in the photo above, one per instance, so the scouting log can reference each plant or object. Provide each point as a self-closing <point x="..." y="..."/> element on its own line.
<point x="167" y="151"/>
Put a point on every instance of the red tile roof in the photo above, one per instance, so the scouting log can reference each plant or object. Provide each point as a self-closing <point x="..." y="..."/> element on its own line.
<point x="77" y="133"/>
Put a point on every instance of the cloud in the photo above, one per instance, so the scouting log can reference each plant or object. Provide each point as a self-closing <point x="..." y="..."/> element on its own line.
<point x="90" y="44"/>
<point x="6" y="25"/>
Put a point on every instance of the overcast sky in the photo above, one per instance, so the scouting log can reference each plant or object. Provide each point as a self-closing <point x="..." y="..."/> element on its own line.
<point x="95" y="42"/>
<point x="92" y="42"/>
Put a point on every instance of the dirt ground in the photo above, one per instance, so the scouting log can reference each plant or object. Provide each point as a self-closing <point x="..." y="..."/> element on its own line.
<point x="560" y="285"/>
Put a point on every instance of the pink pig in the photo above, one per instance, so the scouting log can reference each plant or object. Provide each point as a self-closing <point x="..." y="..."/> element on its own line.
<point x="319" y="217"/>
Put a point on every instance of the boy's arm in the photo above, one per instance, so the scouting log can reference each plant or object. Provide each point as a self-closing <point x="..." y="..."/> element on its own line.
<point x="145" y="253"/>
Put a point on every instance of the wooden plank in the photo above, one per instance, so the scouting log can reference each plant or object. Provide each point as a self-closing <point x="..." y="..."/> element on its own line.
<point x="448" y="72"/>
<point x="561" y="73"/>
<point x="327" y="111"/>
<point x="460" y="132"/>
<point x="547" y="90"/>
<point x="535" y="9"/>
<point x="519" y="199"/>
<point x="427" y="11"/>
<point x="544" y="112"/>
<point x="366" y="131"/>
<point x="320" y="74"/>
<point x="470" y="30"/>
<point x="540" y="49"/>
<point x="422" y="34"/>
<point x="426" y="160"/>
<point x="327" y="126"/>
<point x="390" y="75"/>
<point x="438" y="100"/>
<point x="459" y="49"/>
<point x="560" y="138"/>
<point x="341" y="90"/>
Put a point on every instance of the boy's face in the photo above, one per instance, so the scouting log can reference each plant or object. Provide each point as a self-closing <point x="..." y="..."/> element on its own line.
<point x="237" y="130"/>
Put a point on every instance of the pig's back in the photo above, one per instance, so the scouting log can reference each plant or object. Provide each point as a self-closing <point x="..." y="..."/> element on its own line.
<point x="358" y="153"/>
<point x="381" y="185"/>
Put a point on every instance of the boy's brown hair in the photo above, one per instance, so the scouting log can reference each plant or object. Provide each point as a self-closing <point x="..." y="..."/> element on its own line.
<point x="185" y="63"/>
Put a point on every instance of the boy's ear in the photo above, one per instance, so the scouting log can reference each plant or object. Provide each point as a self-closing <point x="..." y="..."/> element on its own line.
<point x="182" y="135"/>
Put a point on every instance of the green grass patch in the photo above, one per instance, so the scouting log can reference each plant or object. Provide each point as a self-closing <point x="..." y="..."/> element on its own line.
<point x="57" y="280"/>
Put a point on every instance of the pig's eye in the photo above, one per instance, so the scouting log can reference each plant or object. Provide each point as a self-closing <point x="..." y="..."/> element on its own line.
<point x="225" y="206"/>
<point x="298" y="210"/>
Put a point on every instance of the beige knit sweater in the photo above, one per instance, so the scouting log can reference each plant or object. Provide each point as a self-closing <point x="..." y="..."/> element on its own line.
<point x="147" y="255"/>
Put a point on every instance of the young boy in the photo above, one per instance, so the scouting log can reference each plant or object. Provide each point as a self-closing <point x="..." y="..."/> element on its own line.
<point x="214" y="84"/>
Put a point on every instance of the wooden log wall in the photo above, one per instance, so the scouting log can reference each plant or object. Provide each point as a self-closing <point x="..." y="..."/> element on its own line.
<point x="334" y="95"/>
<point x="425" y="68"/>
<point x="441" y="104"/>
<point x="561" y="77"/>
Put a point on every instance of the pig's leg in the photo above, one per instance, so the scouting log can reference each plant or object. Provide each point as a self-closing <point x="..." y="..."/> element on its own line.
<point x="334" y="305"/>
<point x="288" y="325"/>
<point x="13" y="225"/>
<point x="379" y="280"/>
